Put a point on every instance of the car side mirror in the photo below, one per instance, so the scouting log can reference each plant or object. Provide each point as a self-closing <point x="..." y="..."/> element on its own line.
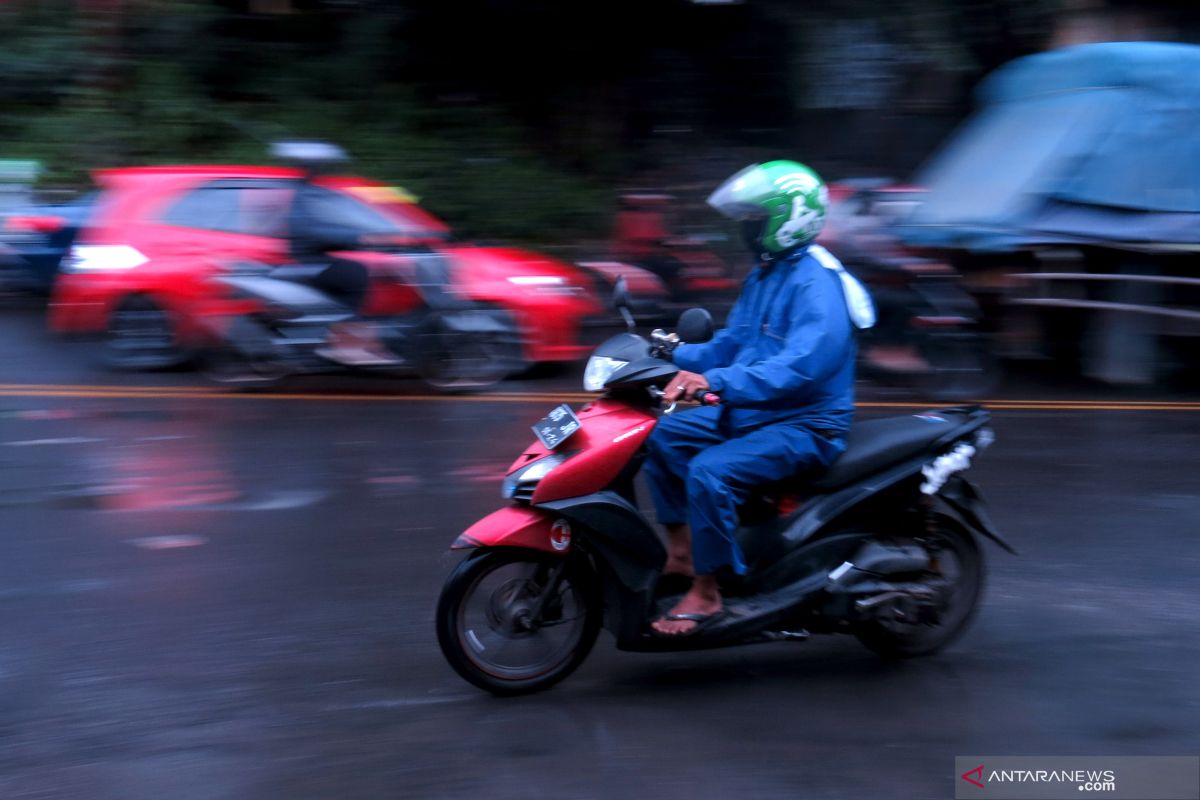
<point x="622" y="303"/>
<point x="695" y="326"/>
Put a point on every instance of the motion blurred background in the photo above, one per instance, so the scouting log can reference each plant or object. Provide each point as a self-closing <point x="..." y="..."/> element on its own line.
<point x="209" y="594"/>
<point x="519" y="118"/>
<point x="529" y="122"/>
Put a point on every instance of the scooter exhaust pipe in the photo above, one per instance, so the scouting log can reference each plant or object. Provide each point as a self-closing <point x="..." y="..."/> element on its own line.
<point x="875" y="559"/>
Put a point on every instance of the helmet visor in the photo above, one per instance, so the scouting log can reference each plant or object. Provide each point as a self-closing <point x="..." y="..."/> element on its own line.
<point x="741" y="197"/>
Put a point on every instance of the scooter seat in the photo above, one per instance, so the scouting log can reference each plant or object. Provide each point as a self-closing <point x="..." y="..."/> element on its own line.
<point x="876" y="444"/>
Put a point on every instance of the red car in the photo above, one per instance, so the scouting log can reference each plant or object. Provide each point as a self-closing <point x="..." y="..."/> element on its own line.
<point x="144" y="259"/>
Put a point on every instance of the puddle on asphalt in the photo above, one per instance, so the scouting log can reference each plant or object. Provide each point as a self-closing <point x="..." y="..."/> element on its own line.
<point x="164" y="496"/>
<point x="149" y="461"/>
<point x="138" y="415"/>
<point x="78" y="586"/>
<point x="41" y="414"/>
<point x="53" y="441"/>
<point x="59" y="414"/>
<point x="168" y="542"/>
<point x="481" y="473"/>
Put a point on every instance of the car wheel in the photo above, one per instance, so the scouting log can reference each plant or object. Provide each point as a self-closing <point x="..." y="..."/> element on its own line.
<point x="141" y="336"/>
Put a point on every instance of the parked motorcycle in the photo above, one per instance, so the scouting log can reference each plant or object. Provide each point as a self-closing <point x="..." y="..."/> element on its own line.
<point x="884" y="545"/>
<point x="929" y="337"/>
<point x="665" y="271"/>
<point x="450" y="343"/>
<point x="934" y="325"/>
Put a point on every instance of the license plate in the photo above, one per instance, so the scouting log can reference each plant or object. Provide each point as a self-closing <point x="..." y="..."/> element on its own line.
<point x="556" y="427"/>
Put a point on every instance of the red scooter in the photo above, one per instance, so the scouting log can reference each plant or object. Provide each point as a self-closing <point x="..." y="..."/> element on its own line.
<point x="884" y="545"/>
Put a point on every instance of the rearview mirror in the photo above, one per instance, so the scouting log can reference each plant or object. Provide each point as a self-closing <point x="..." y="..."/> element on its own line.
<point x="695" y="326"/>
<point x="622" y="303"/>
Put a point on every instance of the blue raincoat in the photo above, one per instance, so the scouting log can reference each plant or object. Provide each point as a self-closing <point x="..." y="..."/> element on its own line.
<point x="784" y="369"/>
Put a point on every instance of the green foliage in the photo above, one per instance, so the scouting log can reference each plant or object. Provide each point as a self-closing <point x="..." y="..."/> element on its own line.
<point x="512" y="119"/>
<point x="150" y="96"/>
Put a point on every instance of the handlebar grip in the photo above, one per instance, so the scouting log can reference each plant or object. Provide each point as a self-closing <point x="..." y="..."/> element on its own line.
<point x="710" y="399"/>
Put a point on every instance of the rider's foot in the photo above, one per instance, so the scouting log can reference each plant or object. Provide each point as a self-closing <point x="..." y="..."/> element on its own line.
<point x="679" y="565"/>
<point x="703" y="599"/>
<point x="356" y="344"/>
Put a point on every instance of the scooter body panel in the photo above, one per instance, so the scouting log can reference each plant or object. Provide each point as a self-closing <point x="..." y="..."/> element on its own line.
<point x="612" y="432"/>
<point x="863" y="550"/>
<point x="517" y="526"/>
<point x="626" y="552"/>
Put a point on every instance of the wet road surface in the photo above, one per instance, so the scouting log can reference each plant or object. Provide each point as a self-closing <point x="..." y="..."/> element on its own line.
<point x="205" y="597"/>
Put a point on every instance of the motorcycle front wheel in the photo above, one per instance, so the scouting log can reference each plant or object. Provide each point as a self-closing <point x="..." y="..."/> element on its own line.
<point x="518" y="621"/>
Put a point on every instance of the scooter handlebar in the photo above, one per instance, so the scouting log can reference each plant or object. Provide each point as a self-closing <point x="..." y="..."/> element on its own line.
<point x="705" y="399"/>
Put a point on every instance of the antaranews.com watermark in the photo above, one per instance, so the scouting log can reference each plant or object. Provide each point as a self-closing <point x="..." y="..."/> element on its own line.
<point x="1074" y="777"/>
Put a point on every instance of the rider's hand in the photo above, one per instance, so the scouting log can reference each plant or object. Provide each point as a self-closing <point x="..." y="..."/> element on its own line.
<point x="685" y="386"/>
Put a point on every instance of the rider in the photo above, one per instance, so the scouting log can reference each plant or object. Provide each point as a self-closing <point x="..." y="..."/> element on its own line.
<point x="784" y="370"/>
<point x="315" y="228"/>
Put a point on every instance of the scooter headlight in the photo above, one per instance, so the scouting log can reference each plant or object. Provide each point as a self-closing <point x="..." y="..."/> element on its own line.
<point x="520" y="484"/>
<point x="599" y="370"/>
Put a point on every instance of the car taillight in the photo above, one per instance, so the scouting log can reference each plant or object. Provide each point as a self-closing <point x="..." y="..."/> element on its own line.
<point x="34" y="224"/>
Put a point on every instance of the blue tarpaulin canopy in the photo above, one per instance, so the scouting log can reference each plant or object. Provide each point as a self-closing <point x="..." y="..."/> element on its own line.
<point x="1096" y="143"/>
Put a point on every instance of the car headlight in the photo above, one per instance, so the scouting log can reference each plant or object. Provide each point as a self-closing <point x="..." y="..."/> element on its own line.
<point x="545" y="285"/>
<point x="102" y="258"/>
<point x="536" y="280"/>
<point x="599" y="370"/>
<point x="520" y="484"/>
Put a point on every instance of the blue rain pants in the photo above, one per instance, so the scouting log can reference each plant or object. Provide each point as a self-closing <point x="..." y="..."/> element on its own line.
<point x="700" y="471"/>
<point x="784" y="369"/>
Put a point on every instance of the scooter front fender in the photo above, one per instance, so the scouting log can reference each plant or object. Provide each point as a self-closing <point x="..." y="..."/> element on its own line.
<point x="518" y="526"/>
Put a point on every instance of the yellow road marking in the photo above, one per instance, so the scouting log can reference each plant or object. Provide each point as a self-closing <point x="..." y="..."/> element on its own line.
<point x="54" y="387"/>
<point x="219" y="395"/>
<point x="200" y="393"/>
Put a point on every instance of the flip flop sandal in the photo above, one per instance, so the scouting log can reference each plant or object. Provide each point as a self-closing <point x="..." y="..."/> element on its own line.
<point x="702" y="621"/>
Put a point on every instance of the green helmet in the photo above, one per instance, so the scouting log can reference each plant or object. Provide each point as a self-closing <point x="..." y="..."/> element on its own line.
<point x="786" y="198"/>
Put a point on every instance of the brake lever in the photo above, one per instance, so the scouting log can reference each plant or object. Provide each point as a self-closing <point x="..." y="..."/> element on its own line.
<point x="658" y="394"/>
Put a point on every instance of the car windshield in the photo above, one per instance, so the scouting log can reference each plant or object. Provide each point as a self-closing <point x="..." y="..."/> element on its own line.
<point x="398" y="208"/>
<point x="263" y="208"/>
<point x="341" y="210"/>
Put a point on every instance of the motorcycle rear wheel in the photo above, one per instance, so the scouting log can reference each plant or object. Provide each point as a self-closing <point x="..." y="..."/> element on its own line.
<point x="485" y="626"/>
<point x="960" y="562"/>
<point x="226" y="367"/>
<point x="450" y="361"/>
